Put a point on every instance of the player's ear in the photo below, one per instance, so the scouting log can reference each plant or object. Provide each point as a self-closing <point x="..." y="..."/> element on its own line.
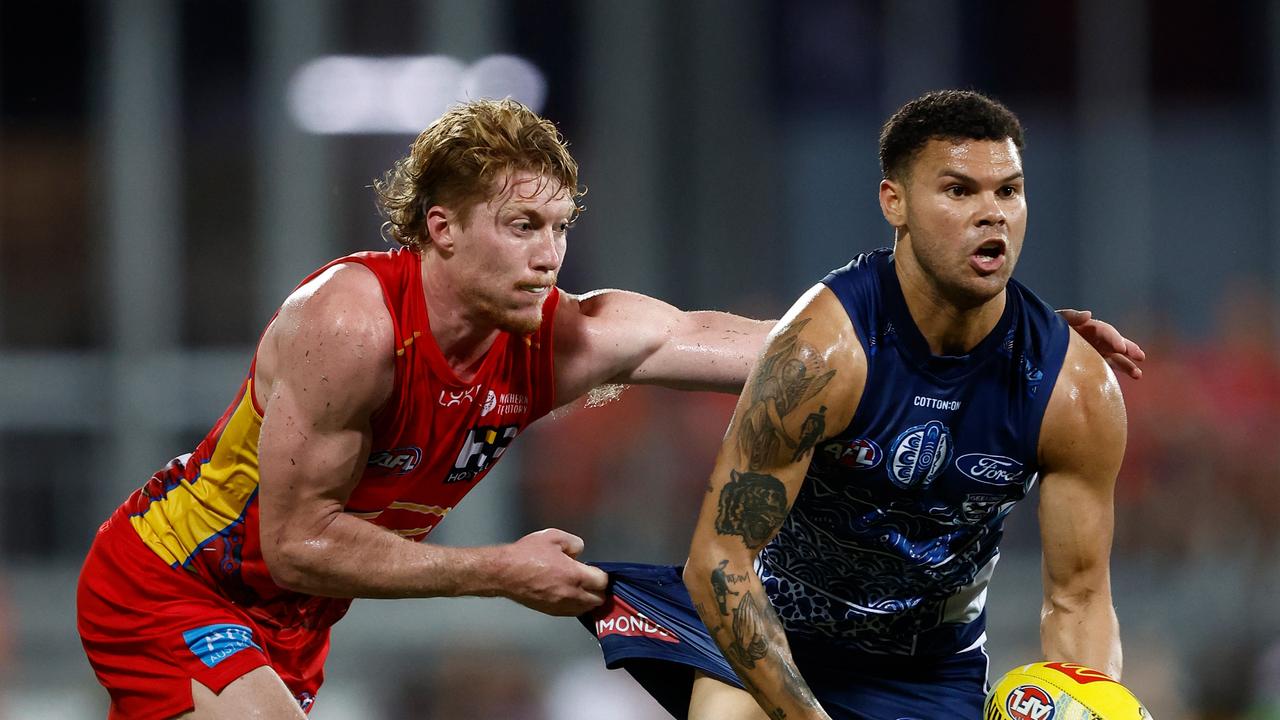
<point x="893" y="202"/>
<point x="440" y="223"/>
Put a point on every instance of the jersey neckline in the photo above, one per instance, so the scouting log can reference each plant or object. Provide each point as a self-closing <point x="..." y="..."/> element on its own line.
<point x="913" y="344"/>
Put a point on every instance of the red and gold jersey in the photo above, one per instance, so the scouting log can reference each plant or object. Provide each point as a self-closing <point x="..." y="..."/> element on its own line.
<point x="435" y="438"/>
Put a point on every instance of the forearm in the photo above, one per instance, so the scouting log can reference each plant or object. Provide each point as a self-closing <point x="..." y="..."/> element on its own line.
<point x="349" y="557"/>
<point x="1084" y="631"/>
<point x="732" y="603"/>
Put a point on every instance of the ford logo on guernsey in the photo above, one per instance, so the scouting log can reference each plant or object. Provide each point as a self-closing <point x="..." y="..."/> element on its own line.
<point x="919" y="455"/>
<point x="990" y="469"/>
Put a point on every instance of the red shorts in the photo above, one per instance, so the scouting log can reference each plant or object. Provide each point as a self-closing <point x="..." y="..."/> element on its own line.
<point x="149" y="629"/>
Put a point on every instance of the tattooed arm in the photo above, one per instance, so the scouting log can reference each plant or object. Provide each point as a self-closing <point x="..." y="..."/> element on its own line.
<point x="807" y="382"/>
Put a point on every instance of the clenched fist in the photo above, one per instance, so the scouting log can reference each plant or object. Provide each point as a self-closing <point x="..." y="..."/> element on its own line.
<point x="541" y="573"/>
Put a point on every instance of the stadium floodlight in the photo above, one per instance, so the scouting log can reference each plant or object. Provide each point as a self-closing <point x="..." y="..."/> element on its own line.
<point x="353" y="94"/>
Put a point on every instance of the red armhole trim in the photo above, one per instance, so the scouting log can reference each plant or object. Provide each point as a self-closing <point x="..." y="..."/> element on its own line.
<point x="251" y="382"/>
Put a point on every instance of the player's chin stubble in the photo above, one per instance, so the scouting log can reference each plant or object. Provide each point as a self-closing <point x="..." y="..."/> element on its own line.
<point x="524" y="321"/>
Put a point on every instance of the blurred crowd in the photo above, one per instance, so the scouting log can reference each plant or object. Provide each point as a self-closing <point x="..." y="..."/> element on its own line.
<point x="1202" y="464"/>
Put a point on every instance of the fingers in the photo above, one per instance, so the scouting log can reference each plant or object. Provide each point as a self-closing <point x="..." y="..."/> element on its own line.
<point x="1107" y="340"/>
<point x="572" y="545"/>
<point x="1122" y="365"/>
<point x="1075" y="317"/>
<point x="566" y="587"/>
<point x="595" y="583"/>
<point x="1105" y="336"/>
<point x="569" y="543"/>
<point x="596" y="580"/>
<point x="583" y="603"/>
<point x="1134" y="351"/>
<point x="590" y="593"/>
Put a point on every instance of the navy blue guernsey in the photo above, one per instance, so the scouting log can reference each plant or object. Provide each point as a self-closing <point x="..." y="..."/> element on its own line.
<point x="893" y="538"/>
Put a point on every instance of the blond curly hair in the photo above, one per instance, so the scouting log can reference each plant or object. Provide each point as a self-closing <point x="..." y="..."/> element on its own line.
<point x="455" y="161"/>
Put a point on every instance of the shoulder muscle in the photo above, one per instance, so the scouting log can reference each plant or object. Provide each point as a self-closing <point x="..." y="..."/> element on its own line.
<point x="1085" y="421"/>
<point x="814" y="345"/>
<point x="331" y="344"/>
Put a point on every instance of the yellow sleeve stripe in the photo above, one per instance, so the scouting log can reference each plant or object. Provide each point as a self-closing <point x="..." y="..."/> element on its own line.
<point x="193" y="513"/>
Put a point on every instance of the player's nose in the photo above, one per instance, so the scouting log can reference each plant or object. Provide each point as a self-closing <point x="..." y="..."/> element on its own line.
<point x="548" y="252"/>
<point x="991" y="212"/>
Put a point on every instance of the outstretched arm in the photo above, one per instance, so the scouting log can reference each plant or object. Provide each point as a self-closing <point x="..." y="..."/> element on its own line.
<point x="1081" y="447"/>
<point x="808" y="379"/>
<point x="616" y="336"/>
<point x="324" y="367"/>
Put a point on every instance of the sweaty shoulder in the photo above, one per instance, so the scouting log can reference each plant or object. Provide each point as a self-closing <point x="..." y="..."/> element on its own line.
<point x="817" y="331"/>
<point x="1086" y="413"/>
<point x="333" y="333"/>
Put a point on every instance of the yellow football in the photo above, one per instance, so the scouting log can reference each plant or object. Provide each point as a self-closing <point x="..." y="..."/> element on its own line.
<point x="1061" y="691"/>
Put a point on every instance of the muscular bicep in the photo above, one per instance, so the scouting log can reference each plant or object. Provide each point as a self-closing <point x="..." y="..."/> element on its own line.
<point x="308" y="462"/>
<point x="325" y="368"/>
<point x="1076" y="527"/>
<point x="1082" y="445"/>
<point x="804" y="387"/>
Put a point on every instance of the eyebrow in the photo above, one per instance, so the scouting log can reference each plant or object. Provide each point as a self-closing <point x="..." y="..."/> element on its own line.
<point x="946" y="172"/>
<point x="534" y="211"/>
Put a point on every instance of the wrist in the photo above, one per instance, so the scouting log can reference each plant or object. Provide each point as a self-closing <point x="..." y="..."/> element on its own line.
<point x="491" y="567"/>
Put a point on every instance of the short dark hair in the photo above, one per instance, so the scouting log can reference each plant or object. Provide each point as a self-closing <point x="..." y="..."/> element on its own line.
<point x="943" y="115"/>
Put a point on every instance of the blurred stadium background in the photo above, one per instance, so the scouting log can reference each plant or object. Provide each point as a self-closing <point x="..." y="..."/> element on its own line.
<point x="169" y="170"/>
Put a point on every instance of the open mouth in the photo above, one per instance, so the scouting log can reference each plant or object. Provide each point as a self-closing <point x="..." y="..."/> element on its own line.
<point x="989" y="256"/>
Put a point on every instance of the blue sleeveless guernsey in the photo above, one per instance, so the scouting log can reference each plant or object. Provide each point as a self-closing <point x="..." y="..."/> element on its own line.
<point x="880" y="571"/>
<point x="893" y="538"/>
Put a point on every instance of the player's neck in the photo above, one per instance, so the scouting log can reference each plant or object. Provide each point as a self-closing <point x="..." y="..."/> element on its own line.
<point x="462" y="336"/>
<point x="949" y="327"/>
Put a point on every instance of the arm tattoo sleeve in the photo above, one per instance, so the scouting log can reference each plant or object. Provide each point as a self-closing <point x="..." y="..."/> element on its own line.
<point x="752" y="506"/>
<point x="811" y="432"/>
<point x="791" y="373"/>
<point x="748" y="643"/>
<point x="754" y="638"/>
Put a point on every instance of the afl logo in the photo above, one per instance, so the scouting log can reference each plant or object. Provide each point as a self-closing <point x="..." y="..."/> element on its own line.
<point x="860" y="454"/>
<point x="919" y="455"/>
<point x="1029" y="702"/>
<point x="398" y="461"/>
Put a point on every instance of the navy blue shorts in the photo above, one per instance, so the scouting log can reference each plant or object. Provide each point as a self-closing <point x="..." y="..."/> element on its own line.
<point x="649" y="628"/>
